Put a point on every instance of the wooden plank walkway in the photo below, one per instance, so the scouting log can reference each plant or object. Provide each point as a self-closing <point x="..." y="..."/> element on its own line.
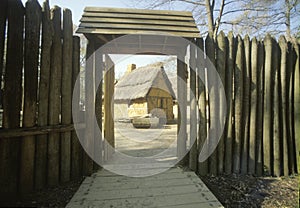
<point x="174" y="188"/>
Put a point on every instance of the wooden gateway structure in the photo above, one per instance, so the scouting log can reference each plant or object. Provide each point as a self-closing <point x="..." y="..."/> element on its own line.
<point x="152" y="32"/>
<point x="142" y="91"/>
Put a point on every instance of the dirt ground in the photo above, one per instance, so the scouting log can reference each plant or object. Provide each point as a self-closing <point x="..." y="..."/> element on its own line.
<point x="51" y="197"/>
<point x="238" y="191"/>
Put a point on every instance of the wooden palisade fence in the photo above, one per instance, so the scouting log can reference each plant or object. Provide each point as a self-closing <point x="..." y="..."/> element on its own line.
<point x="40" y="64"/>
<point x="262" y="131"/>
<point x="39" y="61"/>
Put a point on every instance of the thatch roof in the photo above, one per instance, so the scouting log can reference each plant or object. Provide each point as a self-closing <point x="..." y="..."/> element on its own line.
<point x="138" y="83"/>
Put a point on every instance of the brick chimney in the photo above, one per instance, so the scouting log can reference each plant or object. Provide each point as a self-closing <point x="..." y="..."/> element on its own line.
<point x="130" y="68"/>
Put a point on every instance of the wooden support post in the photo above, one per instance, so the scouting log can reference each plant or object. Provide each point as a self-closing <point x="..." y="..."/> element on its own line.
<point x="268" y="108"/>
<point x="213" y="109"/>
<point x="277" y="131"/>
<point x="238" y="103"/>
<point x="66" y="95"/>
<point x="284" y="102"/>
<point x="221" y="67"/>
<point x="202" y="133"/>
<point x="193" y="157"/>
<point x="246" y="105"/>
<point x="12" y="99"/>
<point x="54" y="97"/>
<point x="230" y="110"/>
<point x="109" y="79"/>
<point x="41" y="140"/>
<point x="291" y="109"/>
<point x="253" y="106"/>
<point x="260" y="106"/>
<point x="76" y="149"/>
<point x="33" y="15"/>
<point x="89" y="109"/>
<point x="98" y="108"/>
<point x="182" y="75"/>
<point x="297" y="106"/>
<point x="3" y="18"/>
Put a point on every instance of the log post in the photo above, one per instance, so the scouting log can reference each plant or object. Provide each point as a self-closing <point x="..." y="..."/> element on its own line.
<point x="246" y="105"/>
<point x="221" y="67"/>
<point x="54" y="97"/>
<point x="253" y="105"/>
<point x="202" y="133"/>
<point x="238" y="103"/>
<point x="66" y="95"/>
<point x="41" y="140"/>
<point x="230" y="104"/>
<point x="268" y="108"/>
<point x="182" y="75"/>
<point x="12" y="99"/>
<point x="76" y="149"/>
<point x="213" y="109"/>
<point x="193" y="110"/>
<point x="31" y="61"/>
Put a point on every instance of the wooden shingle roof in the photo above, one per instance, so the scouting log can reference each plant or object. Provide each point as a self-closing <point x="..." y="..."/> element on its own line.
<point x="117" y="21"/>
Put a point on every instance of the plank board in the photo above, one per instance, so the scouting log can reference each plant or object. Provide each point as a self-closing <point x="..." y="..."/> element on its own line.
<point x="173" y="188"/>
<point x="137" y="11"/>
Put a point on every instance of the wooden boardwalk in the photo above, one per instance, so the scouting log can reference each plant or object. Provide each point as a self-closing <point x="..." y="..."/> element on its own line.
<point x="174" y="188"/>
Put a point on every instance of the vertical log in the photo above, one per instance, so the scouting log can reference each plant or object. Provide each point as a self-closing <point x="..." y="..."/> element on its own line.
<point x="221" y="67"/>
<point x="66" y="95"/>
<point x="246" y="105"/>
<point x="182" y="106"/>
<point x="54" y="97"/>
<point x="12" y="99"/>
<point x="230" y="105"/>
<point x="277" y="131"/>
<point x="297" y="106"/>
<point x="284" y="102"/>
<point x="76" y="150"/>
<point x="213" y="109"/>
<point x="193" y="110"/>
<point x="98" y="108"/>
<point x="268" y="109"/>
<point x="31" y="61"/>
<point x="89" y="109"/>
<point x="253" y="105"/>
<point x="291" y="132"/>
<point x="238" y="103"/>
<point x="41" y="140"/>
<point x="3" y="18"/>
<point x="202" y="133"/>
<point x="109" y="128"/>
<point x="260" y="106"/>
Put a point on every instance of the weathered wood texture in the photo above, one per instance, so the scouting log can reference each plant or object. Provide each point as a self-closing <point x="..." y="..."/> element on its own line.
<point x="42" y="120"/>
<point x="221" y="61"/>
<point x="12" y="99"/>
<point x="182" y="75"/>
<point x="238" y="105"/>
<point x="202" y="130"/>
<point x="193" y="157"/>
<point x="213" y="108"/>
<point x="32" y="154"/>
<point x="33" y="15"/>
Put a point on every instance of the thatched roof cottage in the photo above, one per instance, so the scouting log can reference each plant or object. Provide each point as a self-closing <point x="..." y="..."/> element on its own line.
<point x="143" y="91"/>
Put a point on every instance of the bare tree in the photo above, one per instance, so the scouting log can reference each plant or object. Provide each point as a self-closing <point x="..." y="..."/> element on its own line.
<point x="243" y="16"/>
